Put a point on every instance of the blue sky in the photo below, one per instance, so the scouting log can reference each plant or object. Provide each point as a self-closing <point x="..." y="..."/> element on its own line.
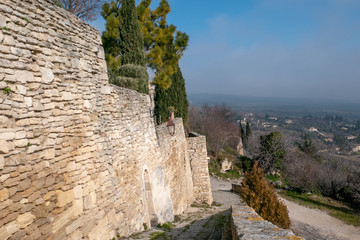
<point x="270" y="48"/>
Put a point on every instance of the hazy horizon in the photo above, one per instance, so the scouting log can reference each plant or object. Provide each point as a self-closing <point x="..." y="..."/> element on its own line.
<point x="270" y="48"/>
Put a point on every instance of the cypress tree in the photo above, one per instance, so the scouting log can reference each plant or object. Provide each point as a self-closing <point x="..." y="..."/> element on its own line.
<point x="123" y="45"/>
<point x="248" y="130"/>
<point x="174" y="97"/>
<point x="261" y="196"/>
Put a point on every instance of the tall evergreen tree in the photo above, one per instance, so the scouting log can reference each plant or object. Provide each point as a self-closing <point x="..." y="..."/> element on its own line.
<point x="123" y="45"/>
<point x="163" y="44"/>
<point x="242" y="133"/>
<point x="173" y="97"/>
<point x="248" y="131"/>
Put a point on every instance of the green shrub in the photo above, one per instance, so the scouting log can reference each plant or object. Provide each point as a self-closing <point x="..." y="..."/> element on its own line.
<point x="261" y="196"/>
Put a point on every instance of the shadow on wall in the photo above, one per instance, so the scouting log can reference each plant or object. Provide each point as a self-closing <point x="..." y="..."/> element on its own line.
<point x="159" y="205"/>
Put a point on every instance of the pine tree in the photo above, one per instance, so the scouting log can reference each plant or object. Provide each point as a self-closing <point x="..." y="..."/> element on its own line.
<point x="173" y="97"/>
<point x="163" y="44"/>
<point x="123" y="45"/>
<point x="261" y="196"/>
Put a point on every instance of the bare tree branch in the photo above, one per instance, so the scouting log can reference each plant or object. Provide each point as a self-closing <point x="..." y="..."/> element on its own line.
<point x="85" y="9"/>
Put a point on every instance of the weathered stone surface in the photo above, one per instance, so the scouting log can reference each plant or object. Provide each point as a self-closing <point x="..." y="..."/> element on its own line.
<point x="21" y="143"/>
<point x="47" y="75"/>
<point x="7" y="135"/>
<point x="25" y="219"/>
<point x="66" y="96"/>
<point x="4" y="194"/>
<point x="2" y="162"/>
<point x="64" y="197"/>
<point x="4" y="146"/>
<point x="9" y="40"/>
<point x="24" y="76"/>
<point x="247" y="224"/>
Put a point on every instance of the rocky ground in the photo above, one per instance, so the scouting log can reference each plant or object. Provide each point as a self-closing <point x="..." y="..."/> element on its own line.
<point x="212" y="222"/>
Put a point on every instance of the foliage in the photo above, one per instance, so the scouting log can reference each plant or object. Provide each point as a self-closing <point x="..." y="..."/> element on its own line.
<point x="85" y="9"/>
<point x="166" y="226"/>
<point x="325" y="175"/>
<point x="261" y="196"/>
<point x="158" y="236"/>
<point x="123" y="45"/>
<point x="272" y="152"/>
<point x="130" y="76"/>
<point x="217" y="124"/>
<point x="58" y="3"/>
<point x="307" y="146"/>
<point x="7" y="90"/>
<point x="163" y="44"/>
<point x="246" y="163"/>
<point x="174" y="96"/>
<point x="248" y="130"/>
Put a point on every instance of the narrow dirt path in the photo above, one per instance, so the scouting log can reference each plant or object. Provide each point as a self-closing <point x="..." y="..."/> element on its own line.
<point x="316" y="224"/>
<point x="200" y="222"/>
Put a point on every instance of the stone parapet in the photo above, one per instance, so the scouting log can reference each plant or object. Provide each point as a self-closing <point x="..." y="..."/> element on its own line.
<point x="247" y="224"/>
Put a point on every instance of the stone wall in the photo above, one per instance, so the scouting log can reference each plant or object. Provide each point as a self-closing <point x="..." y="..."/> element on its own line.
<point x="199" y="166"/>
<point x="79" y="158"/>
<point x="247" y="224"/>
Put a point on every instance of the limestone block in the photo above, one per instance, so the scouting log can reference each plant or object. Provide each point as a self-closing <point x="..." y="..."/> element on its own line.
<point x="20" y="135"/>
<point x="105" y="90"/>
<point x="66" y="96"/>
<point x="4" y="233"/>
<point x="2" y="162"/>
<point x="4" y="194"/>
<point x="3" y="84"/>
<point x="1" y="36"/>
<point x="28" y="101"/>
<point x="21" y="143"/>
<point x="62" y="220"/>
<point x="49" y="153"/>
<point x="25" y="219"/>
<point x="75" y="63"/>
<point x="24" y="76"/>
<point x="78" y="192"/>
<point x="2" y="21"/>
<point x="48" y="195"/>
<point x="64" y="197"/>
<point x="5" y="147"/>
<point x="12" y="227"/>
<point x="90" y="200"/>
<point x="87" y="104"/>
<point x="78" y="207"/>
<point x="16" y="51"/>
<point x="76" y="235"/>
<point x="47" y="75"/>
<point x="9" y="40"/>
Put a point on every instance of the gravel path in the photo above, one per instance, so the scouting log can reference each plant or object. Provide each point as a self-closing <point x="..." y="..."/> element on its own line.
<point x="316" y="224"/>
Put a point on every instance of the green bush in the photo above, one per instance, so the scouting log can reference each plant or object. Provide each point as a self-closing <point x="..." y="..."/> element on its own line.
<point x="261" y="196"/>
<point x="130" y="76"/>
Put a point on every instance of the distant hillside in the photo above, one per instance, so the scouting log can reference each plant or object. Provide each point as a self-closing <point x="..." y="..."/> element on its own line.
<point x="290" y="107"/>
